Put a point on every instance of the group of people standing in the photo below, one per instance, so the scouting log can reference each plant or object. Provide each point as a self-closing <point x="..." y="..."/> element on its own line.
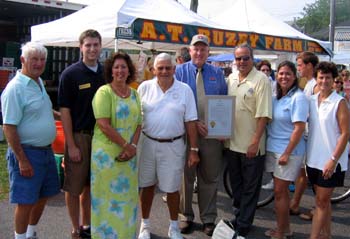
<point x="121" y="143"/>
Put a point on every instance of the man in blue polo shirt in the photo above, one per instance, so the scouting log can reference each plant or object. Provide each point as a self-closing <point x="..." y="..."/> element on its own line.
<point x="204" y="79"/>
<point x="30" y="129"/>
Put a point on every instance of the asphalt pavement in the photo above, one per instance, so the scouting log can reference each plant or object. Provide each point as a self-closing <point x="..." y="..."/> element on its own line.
<point x="55" y="223"/>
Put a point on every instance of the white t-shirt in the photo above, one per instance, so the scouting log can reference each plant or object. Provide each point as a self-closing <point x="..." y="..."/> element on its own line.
<point x="309" y="87"/>
<point x="164" y="113"/>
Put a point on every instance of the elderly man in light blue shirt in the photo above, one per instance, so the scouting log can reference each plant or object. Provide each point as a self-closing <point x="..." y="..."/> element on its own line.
<point x="29" y="128"/>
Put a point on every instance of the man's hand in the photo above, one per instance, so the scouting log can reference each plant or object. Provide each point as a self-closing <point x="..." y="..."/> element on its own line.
<point x="74" y="153"/>
<point x="252" y="150"/>
<point x="201" y="129"/>
<point x="25" y="168"/>
<point x="193" y="159"/>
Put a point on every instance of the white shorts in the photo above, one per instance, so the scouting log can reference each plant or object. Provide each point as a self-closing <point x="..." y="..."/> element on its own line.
<point x="288" y="172"/>
<point x="161" y="163"/>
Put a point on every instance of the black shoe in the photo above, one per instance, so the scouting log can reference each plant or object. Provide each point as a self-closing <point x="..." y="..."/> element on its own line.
<point x="186" y="227"/>
<point x="208" y="228"/>
<point x="85" y="233"/>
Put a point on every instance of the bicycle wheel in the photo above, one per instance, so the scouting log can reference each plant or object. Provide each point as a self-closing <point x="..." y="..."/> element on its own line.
<point x="266" y="195"/>
<point x="342" y="193"/>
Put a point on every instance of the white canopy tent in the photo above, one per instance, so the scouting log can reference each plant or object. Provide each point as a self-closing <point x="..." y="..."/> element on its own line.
<point x="105" y="16"/>
<point x="165" y="25"/>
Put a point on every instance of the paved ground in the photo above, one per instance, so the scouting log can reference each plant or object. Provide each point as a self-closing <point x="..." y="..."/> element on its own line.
<point x="55" y="221"/>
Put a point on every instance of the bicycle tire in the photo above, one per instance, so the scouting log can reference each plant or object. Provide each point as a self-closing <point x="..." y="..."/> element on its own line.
<point x="342" y="193"/>
<point x="227" y="185"/>
<point x="340" y="198"/>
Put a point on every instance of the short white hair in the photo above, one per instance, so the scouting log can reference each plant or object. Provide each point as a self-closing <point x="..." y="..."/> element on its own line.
<point x="164" y="57"/>
<point x="33" y="47"/>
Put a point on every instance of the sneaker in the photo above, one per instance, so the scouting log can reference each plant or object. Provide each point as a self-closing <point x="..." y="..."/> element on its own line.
<point x="144" y="233"/>
<point x="268" y="186"/>
<point x="85" y="233"/>
<point x="174" y="233"/>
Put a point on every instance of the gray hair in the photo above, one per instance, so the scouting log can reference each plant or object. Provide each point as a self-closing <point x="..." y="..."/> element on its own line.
<point x="247" y="46"/>
<point x="164" y="57"/>
<point x="33" y="47"/>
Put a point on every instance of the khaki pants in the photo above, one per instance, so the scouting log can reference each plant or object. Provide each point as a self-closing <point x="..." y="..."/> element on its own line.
<point x="207" y="172"/>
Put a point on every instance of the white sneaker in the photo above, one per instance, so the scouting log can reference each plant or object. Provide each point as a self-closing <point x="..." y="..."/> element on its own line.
<point x="144" y="233"/>
<point x="240" y="237"/>
<point x="268" y="186"/>
<point x="174" y="233"/>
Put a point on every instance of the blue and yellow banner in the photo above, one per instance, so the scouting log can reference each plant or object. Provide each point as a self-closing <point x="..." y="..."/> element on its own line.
<point x="165" y="32"/>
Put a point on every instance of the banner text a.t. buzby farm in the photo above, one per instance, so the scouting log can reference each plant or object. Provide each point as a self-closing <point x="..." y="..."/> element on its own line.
<point x="157" y="31"/>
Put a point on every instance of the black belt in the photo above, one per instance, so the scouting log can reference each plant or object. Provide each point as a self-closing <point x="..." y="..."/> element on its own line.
<point x="89" y="132"/>
<point x="46" y="147"/>
<point x="163" y="140"/>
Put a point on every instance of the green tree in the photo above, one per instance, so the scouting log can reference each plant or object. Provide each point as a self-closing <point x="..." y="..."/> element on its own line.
<point x="315" y="16"/>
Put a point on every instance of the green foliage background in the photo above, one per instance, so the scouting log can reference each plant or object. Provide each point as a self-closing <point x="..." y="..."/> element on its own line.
<point x="316" y="16"/>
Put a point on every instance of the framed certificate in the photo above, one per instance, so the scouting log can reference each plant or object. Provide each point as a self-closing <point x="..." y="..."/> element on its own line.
<point x="219" y="116"/>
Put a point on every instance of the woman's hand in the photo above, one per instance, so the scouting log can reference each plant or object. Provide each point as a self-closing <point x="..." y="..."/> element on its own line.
<point x="128" y="153"/>
<point x="329" y="169"/>
<point x="283" y="160"/>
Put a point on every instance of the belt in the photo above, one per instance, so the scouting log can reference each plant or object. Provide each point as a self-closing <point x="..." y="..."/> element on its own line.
<point x="46" y="147"/>
<point x="163" y="140"/>
<point x="84" y="131"/>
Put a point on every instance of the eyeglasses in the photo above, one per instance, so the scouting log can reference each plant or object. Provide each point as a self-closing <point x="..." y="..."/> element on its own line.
<point x="346" y="74"/>
<point x="244" y="58"/>
<point x="167" y="68"/>
<point x="338" y="82"/>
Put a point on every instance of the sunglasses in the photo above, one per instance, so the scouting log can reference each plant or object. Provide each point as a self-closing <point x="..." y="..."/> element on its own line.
<point x="345" y="74"/>
<point x="338" y="82"/>
<point x="244" y="58"/>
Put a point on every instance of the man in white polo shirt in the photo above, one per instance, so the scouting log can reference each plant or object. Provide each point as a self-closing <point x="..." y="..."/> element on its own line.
<point x="169" y="114"/>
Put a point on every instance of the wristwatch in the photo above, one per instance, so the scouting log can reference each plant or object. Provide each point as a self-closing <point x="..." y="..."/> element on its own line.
<point x="194" y="149"/>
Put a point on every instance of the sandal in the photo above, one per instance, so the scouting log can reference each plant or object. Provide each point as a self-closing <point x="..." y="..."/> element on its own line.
<point x="272" y="234"/>
<point x="294" y="212"/>
<point x="307" y="215"/>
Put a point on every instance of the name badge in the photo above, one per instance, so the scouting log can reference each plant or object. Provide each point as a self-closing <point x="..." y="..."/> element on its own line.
<point x="84" y="86"/>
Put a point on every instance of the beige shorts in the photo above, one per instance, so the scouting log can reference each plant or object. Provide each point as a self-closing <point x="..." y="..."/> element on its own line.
<point x="161" y="163"/>
<point x="288" y="172"/>
<point x="77" y="174"/>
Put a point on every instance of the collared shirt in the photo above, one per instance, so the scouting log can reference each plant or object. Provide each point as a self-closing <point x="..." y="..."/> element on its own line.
<point x="291" y="108"/>
<point x="77" y="87"/>
<point x="213" y="78"/>
<point x="164" y="113"/>
<point x="253" y="100"/>
<point x="324" y="132"/>
<point x="27" y="105"/>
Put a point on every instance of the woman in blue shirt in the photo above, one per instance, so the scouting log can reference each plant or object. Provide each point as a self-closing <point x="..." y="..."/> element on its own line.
<point x="285" y="143"/>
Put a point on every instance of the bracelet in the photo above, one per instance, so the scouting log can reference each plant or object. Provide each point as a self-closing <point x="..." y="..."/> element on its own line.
<point x="333" y="159"/>
<point x="134" y="145"/>
<point x="194" y="149"/>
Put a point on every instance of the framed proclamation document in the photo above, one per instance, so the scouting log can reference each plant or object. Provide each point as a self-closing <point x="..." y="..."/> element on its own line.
<point x="219" y="116"/>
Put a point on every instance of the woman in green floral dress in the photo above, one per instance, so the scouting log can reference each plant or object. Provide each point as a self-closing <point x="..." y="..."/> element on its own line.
<point x="114" y="188"/>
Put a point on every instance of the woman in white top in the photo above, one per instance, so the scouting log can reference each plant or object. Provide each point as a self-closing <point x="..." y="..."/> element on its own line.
<point x="327" y="152"/>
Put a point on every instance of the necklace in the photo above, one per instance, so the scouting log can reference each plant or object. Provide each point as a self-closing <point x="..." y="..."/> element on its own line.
<point x="123" y="93"/>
